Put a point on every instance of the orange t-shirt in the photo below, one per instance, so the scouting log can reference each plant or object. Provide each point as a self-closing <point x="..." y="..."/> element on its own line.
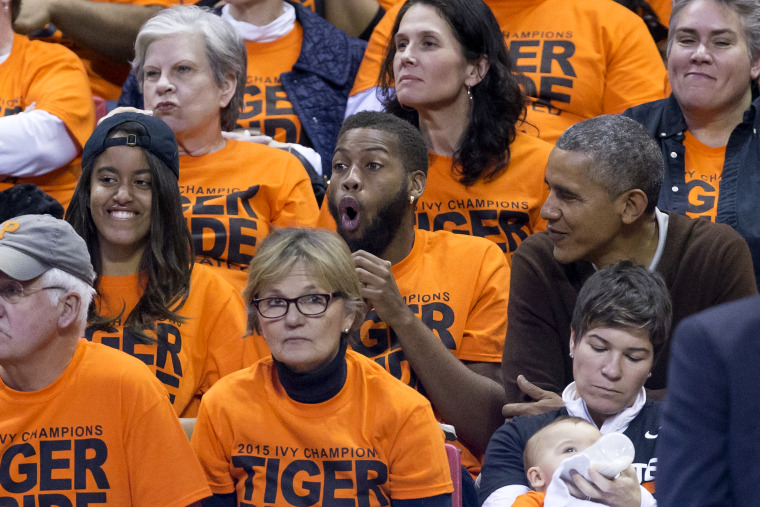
<point x="581" y="59"/>
<point x="374" y="442"/>
<point x="458" y="287"/>
<point x="54" y="78"/>
<point x="387" y="4"/>
<point x="189" y="356"/>
<point x="662" y="9"/>
<point x="266" y="107"/>
<point x="530" y="499"/>
<point x="232" y="198"/>
<point x="704" y="169"/>
<point x="103" y="433"/>
<point x="504" y="210"/>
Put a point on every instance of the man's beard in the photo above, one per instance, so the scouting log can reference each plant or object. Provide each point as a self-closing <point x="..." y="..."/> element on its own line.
<point x="381" y="230"/>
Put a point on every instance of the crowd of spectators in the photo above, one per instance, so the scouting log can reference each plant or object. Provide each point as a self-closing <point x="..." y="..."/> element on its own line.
<point x="345" y="236"/>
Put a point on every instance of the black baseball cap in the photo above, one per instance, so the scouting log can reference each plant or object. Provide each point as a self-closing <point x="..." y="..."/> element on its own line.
<point x="160" y="139"/>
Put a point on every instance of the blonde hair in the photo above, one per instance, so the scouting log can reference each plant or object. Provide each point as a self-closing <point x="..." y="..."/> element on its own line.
<point x="325" y="256"/>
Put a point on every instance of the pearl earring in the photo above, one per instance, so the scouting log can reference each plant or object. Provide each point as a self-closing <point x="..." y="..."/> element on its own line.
<point x="572" y="356"/>
<point x="411" y="199"/>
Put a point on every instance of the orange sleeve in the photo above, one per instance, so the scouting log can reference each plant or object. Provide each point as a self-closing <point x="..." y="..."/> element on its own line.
<point x="530" y="499"/>
<point x="635" y="71"/>
<point x="58" y="84"/>
<point x="325" y="219"/>
<point x="369" y="70"/>
<point x="297" y="206"/>
<point x="486" y="326"/>
<point x="223" y="321"/>
<point x="164" y="3"/>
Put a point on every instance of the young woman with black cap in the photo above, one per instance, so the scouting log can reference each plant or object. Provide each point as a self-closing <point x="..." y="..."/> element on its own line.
<point x="184" y="321"/>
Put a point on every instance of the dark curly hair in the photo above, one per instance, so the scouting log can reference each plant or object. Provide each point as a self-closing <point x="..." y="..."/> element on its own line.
<point x="498" y="101"/>
<point x="167" y="260"/>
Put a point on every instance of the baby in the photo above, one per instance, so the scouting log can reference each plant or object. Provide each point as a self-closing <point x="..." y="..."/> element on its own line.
<point x="547" y="448"/>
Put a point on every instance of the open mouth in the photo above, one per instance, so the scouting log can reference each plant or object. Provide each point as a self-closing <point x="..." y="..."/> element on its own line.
<point x="350" y="213"/>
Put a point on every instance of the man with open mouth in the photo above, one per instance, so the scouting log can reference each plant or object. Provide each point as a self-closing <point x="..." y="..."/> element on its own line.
<point x="437" y="300"/>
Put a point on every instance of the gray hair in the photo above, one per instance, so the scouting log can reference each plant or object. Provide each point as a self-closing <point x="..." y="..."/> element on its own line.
<point x="225" y="49"/>
<point x="749" y="14"/>
<point x="624" y="156"/>
<point x="59" y="278"/>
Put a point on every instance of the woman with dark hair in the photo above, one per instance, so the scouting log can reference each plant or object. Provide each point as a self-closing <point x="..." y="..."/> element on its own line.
<point x="316" y="424"/>
<point x="448" y="71"/>
<point x="183" y="321"/>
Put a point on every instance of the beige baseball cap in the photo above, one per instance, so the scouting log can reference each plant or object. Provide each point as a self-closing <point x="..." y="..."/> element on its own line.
<point x="32" y="244"/>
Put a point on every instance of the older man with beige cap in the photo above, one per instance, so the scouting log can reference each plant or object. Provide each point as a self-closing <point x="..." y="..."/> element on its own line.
<point x="80" y="422"/>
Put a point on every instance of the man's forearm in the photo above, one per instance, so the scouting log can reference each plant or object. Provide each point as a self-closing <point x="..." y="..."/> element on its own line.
<point x="468" y="401"/>
<point x="108" y="29"/>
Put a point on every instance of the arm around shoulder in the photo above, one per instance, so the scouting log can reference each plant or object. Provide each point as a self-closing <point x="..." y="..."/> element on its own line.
<point x="538" y="328"/>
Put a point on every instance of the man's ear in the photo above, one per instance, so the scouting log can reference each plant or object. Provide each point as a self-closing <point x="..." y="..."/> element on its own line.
<point x="70" y="304"/>
<point x="417" y="182"/>
<point x="634" y="203"/>
<point x="536" y="478"/>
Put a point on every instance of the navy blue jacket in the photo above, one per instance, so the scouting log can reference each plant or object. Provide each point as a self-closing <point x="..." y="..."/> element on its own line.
<point x="710" y="437"/>
<point x="318" y="86"/>
<point x="739" y="198"/>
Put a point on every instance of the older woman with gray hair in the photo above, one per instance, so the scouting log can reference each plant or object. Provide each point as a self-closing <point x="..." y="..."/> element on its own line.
<point x="707" y="127"/>
<point x="191" y="66"/>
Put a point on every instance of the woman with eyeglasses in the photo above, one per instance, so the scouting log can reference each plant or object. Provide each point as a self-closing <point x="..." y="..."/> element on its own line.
<point x="315" y="423"/>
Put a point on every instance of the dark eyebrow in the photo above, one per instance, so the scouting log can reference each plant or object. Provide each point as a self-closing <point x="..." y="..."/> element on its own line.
<point x="561" y="189"/>
<point x="606" y="342"/>
<point x="424" y="33"/>
<point x="381" y="149"/>
<point x="112" y="169"/>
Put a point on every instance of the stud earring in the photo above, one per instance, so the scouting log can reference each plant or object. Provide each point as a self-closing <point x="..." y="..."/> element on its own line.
<point x="649" y="375"/>
<point x="572" y="356"/>
<point x="411" y="199"/>
<point x="346" y="330"/>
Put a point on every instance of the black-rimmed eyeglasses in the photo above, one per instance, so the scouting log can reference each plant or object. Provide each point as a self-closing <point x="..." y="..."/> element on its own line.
<point x="12" y="291"/>
<point x="308" y="304"/>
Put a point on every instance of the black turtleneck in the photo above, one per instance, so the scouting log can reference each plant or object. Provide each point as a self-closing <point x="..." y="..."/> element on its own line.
<point x="318" y="385"/>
